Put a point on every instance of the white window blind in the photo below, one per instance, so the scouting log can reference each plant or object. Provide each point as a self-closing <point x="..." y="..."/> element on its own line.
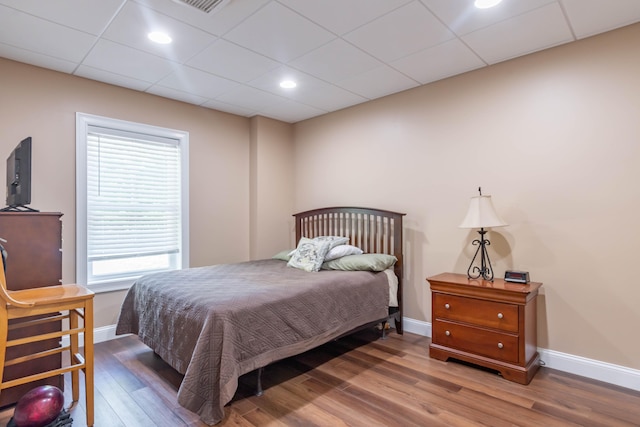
<point x="134" y="209"/>
<point x="133" y="196"/>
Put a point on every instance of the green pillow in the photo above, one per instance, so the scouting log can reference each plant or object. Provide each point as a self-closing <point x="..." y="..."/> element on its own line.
<point x="367" y="262"/>
<point x="284" y="255"/>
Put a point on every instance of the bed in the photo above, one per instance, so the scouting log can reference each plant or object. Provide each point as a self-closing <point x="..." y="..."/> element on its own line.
<point x="213" y="324"/>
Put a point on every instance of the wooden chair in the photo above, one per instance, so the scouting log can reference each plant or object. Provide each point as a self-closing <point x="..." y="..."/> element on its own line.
<point x="51" y="304"/>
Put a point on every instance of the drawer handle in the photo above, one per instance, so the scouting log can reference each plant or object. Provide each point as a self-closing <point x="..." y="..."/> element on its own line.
<point x="500" y="315"/>
<point x="447" y="306"/>
<point x="500" y="345"/>
<point x="447" y="333"/>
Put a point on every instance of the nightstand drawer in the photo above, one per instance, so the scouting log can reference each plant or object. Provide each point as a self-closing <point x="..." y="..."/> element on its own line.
<point x="478" y="312"/>
<point x="479" y="341"/>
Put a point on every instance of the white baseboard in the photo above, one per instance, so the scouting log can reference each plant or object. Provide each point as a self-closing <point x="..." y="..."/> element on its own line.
<point x="589" y="368"/>
<point x="594" y="369"/>
<point x="103" y="333"/>
<point x="417" y="327"/>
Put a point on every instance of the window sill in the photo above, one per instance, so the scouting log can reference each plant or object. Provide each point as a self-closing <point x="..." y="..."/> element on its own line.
<point x="120" y="285"/>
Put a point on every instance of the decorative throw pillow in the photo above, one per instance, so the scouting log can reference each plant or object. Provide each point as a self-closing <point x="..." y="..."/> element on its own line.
<point x="342" y="250"/>
<point x="333" y="240"/>
<point x="366" y="262"/>
<point x="309" y="254"/>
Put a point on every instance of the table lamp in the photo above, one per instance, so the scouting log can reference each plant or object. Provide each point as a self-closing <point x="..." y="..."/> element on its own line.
<point x="481" y="214"/>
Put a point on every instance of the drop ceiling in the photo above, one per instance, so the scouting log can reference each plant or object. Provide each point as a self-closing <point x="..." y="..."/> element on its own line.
<point x="340" y="52"/>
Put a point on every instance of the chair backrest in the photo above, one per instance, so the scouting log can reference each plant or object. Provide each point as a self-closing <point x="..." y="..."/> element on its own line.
<point x="4" y="294"/>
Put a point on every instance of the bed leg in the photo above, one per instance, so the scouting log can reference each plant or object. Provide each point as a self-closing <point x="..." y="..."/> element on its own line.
<point x="398" y="322"/>
<point x="385" y="326"/>
<point x="259" y="390"/>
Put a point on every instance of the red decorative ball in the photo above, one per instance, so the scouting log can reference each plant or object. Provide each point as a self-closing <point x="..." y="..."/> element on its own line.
<point x="39" y="407"/>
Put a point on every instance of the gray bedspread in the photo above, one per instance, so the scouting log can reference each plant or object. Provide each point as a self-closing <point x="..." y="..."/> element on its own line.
<point x="215" y="323"/>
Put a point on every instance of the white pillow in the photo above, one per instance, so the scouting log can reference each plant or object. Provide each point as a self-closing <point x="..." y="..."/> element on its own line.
<point x="342" y="250"/>
<point x="309" y="255"/>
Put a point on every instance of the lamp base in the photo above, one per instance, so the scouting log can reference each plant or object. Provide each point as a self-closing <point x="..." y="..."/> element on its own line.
<point x="484" y="271"/>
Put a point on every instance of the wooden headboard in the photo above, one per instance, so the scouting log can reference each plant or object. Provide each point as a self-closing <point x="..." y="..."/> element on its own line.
<point x="372" y="230"/>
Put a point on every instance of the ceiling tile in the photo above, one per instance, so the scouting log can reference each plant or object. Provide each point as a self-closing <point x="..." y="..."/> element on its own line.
<point x="290" y="111"/>
<point x="340" y="16"/>
<point x="111" y="78"/>
<point x="335" y="60"/>
<point x="134" y="22"/>
<point x="279" y="33"/>
<point x="463" y="17"/>
<point x="402" y="32"/>
<point x="37" y="59"/>
<point x="128" y="62"/>
<point x="325" y="96"/>
<point x="57" y="41"/>
<point x="90" y="17"/>
<point x="310" y="90"/>
<point x="197" y="82"/>
<point x="232" y="61"/>
<point x="217" y="22"/>
<point x="340" y="52"/>
<point x="248" y="98"/>
<point x="521" y="35"/>
<point x="444" y="60"/>
<point x="176" y="94"/>
<point x="378" y="82"/>
<point x="228" y="108"/>
<point x="270" y="81"/>
<point x="589" y="17"/>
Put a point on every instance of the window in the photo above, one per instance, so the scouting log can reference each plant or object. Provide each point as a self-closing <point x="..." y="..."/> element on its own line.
<point x="131" y="201"/>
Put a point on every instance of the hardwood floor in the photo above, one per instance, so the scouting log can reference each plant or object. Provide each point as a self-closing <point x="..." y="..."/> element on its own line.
<point x="356" y="381"/>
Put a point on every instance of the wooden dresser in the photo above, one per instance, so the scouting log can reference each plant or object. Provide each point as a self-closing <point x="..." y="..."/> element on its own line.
<point x="491" y="324"/>
<point x="34" y="247"/>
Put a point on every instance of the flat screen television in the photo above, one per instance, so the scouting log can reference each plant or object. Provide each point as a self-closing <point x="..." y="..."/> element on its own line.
<point x="19" y="177"/>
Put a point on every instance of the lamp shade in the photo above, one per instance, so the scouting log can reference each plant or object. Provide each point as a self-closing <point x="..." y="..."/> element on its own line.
<point x="482" y="214"/>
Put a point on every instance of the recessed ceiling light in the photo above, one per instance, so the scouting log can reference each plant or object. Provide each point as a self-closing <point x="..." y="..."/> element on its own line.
<point x="159" y="37"/>
<point x="288" y="84"/>
<point x="485" y="4"/>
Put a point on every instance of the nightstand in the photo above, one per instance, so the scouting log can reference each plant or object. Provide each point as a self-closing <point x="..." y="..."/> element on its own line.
<point x="491" y="324"/>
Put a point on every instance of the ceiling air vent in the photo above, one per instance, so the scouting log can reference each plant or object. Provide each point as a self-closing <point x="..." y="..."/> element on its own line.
<point x="204" y="5"/>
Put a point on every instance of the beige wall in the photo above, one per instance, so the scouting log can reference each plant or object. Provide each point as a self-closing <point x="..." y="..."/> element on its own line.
<point x="272" y="226"/>
<point x="553" y="137"/>
<point x="42" y="104"/>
